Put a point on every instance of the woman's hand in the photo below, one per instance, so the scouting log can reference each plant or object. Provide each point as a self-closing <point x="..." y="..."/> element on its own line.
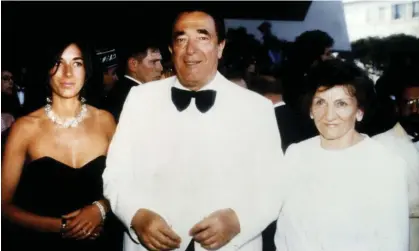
<point x="82" y="223"/>
<point x="96" y="233"/>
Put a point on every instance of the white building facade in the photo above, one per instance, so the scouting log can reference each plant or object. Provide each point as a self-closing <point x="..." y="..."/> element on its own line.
<point x="381" y="18"/>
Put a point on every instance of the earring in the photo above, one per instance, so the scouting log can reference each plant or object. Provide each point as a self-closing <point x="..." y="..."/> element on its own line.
<point x="49" y="101"/>
<point x="359" y="117"/>
<point x="83" y="100"/>
<point x="311" y="116"/>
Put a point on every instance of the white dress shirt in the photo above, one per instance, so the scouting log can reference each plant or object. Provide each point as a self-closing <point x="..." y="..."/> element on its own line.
<point x="353" y="199"/>
<point x="133" y="79"/>
<point x="186" y="165"/>
<point x="399" y="142"/>
<point x="280" y="103"/>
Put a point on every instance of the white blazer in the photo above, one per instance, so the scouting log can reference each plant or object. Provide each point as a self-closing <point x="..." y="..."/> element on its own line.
<point x="186" y="165"/>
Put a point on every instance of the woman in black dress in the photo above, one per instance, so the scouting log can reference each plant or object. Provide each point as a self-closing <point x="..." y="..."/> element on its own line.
<point x="55" y="202"/>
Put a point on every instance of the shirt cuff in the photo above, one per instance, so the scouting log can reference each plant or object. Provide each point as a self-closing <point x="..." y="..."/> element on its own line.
<point x="245" y="225"/>
<point x="126" y="212"/>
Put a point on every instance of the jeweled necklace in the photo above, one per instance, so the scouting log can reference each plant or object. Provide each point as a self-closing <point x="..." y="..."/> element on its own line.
<point x="70" y="122"/>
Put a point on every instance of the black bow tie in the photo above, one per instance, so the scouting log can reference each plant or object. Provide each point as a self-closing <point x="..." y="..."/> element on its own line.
<point x="182" y="98"/>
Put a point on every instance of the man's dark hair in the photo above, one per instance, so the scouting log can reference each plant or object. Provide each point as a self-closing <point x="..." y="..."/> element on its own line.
<point x="7" y="67"/>
<point x="136" y="48"/>
<point x="300" y="56"/>
<point x="218" y="20"/>
<point x="313" y="42"/>
<point x="265" y="27"/>
<point x="308" y="48"/>
<point x="407" y="79"/>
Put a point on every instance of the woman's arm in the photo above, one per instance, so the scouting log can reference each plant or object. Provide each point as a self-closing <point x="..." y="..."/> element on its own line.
<point x="83" y="222"/>
<point x="12" y="165"/>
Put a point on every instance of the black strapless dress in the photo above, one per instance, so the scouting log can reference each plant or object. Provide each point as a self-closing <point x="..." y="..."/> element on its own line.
<point x="51" y="188"/>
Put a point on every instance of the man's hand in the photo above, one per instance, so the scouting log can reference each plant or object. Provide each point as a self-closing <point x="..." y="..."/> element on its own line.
<point x="217" y="229"/>
<point x="153" y="231"/>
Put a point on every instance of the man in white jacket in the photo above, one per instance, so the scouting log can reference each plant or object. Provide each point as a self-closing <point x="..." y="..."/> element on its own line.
<point x="400" y="143"/>
<point x="195" y="157"/>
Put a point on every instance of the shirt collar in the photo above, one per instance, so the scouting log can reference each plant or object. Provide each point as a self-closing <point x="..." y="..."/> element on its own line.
<point x="212" y="85"/>
<point x="280" y="103"/>
<point x="133" y="79"/>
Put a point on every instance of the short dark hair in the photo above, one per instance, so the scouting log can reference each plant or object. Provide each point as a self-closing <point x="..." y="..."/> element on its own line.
<point x="218" y="20"/>
<point x="8" y="68"/>
<point x="315" y="41"/>
<point x="407" y="79"/>
<point x="308" y="48"/>
<point x="335" y="72"/>
<point x="136" y="48"/>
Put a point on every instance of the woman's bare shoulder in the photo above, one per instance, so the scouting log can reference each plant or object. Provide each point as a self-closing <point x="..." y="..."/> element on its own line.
<point x="101" y="115"/>
<point x="31" y="121"/>
<point x="104" y="118"/>
<point x="28" y="125"/>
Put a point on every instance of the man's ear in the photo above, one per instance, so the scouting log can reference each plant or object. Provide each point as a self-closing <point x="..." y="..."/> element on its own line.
<point x="132" y="64"/>
<point x="221" y="46"/>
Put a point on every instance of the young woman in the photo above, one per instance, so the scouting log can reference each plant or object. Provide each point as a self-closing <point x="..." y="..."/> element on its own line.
<point x="55" y="202"/>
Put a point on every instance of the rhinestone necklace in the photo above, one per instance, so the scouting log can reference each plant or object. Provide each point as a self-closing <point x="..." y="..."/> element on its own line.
<point x="71" y="122"/>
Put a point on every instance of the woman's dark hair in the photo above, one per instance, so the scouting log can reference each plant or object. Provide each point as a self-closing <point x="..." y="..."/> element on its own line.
<point x="336" y="72"/>
<point x="92" y="82"/>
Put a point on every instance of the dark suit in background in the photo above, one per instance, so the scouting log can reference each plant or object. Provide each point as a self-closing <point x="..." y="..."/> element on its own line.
<point x="117" y="95"/>
<point x="292" y="127"/>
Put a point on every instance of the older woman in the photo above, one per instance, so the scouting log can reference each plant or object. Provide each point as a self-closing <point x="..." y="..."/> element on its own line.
<point x="55" y="202"/>
<point x="342" y="191"/>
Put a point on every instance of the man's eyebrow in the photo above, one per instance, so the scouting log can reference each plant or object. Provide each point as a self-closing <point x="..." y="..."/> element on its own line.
<point x="177" y="34"/>
<point x="203" y="31"/>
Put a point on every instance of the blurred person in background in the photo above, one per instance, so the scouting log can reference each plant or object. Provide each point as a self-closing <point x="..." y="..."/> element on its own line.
<point x="9" y="99"/>
<point x="290" y="129"/>
<point x="308" y="49"/>
<point x="108" y="60"/>
<point x="140" y="63"/>
<point x="402" y="139"/>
